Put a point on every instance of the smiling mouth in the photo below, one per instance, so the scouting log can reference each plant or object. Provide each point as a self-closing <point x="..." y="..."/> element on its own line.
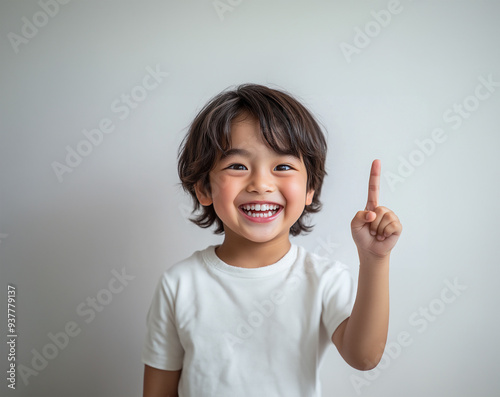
<point x="260" y="210"/>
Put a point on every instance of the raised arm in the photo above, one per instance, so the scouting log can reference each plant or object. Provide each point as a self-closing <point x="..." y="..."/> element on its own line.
<point x="361" y="338"/>
<point x="160" y="383"/>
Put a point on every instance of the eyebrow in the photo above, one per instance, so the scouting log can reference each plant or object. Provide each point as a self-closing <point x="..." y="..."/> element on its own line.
<point x="235" y="152"/>
<point x="246" y="153"/>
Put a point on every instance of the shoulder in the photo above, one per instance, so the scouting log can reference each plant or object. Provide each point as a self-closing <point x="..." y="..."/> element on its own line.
<point x="320" y="265"/>
<point x="179" y="279"/>
<point x="324" y="272"/>
<point x="333" y="279"/>
<point x="187" y="268"/>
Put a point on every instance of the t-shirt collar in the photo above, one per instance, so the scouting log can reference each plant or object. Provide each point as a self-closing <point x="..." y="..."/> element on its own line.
<point x="213" y="261"/>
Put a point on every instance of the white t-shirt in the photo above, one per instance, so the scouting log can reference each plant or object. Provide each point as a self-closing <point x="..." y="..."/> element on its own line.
<point x="247" y="332"/>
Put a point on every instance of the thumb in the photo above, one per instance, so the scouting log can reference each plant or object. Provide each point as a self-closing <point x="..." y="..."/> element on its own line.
<point x="361" y="218"/>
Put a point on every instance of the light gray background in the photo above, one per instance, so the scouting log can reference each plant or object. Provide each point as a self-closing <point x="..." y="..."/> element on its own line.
<point x="122" y="208"/>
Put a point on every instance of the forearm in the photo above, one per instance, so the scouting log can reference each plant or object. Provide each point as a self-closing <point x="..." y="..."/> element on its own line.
<point x="365" y="333"/>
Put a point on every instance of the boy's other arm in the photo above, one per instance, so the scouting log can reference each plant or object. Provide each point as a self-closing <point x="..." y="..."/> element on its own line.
<point x="361" y="338"/>
<point x="160" y="383"/>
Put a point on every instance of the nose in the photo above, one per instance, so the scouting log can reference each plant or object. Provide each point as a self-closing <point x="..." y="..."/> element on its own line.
<point x="260" y="182"/>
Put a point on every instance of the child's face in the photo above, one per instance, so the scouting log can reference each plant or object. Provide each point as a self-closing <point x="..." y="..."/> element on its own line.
<point x="254" y="174"/>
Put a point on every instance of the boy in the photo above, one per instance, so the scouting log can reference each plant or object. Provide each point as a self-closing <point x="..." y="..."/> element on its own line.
<point x="254" y="315"/>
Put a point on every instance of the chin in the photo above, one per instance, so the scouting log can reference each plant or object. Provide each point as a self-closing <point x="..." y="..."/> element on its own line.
<point x="264" y="237"/>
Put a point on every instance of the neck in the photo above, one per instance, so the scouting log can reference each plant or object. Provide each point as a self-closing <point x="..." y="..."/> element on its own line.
<point x="249" y="254"/>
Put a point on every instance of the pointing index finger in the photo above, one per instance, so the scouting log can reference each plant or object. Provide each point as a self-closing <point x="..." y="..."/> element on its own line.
<point x="374" y="186"/>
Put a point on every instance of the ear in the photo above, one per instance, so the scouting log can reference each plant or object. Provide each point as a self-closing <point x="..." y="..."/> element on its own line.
<point x="309" y="197"/>
<point x="202" y="195"/>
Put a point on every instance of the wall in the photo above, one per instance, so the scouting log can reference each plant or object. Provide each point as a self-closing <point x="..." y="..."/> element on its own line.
<point x="92" y="213"/>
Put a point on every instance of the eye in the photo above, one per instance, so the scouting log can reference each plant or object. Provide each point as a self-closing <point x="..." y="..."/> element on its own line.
<point x="238" y="167"/>
<point x="283" y="167"/>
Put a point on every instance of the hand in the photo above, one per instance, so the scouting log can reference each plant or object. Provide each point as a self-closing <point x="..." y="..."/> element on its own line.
<point x="376" y="229"/>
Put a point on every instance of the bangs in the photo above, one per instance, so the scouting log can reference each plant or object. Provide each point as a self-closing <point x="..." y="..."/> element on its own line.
<point x="282" y="135"/>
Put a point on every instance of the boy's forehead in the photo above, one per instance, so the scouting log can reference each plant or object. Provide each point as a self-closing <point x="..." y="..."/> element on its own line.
<point x="245" y="122"/>
<point x="246" y="132"/>
<point x="251" y="146"/>
<point x="244" y="116"/>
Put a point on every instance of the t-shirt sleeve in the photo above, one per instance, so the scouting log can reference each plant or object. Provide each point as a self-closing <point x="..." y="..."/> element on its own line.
<point x="162" y="347"/>
<point x="338" y="296"/>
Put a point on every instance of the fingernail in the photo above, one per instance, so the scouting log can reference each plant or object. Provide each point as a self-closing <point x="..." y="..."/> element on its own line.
<point x="373" y="232"/>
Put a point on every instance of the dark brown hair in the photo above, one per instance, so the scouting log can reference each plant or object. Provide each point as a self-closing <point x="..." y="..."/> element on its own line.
<point x="286" y="125"/>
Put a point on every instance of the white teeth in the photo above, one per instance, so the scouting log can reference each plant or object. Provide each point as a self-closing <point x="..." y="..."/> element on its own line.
<point x="261" y="210"/>
<point x="260" y="207"/>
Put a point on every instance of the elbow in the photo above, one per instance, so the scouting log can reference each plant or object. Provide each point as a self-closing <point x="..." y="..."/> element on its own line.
<point x="365" y="363"/>
<point x="362" y="355"/>
<point x="364" y="366"/>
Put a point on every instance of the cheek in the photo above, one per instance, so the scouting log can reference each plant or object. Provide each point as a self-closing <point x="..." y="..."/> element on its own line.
<point x="295" y="192"/>
<point x="222" y="189"/>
